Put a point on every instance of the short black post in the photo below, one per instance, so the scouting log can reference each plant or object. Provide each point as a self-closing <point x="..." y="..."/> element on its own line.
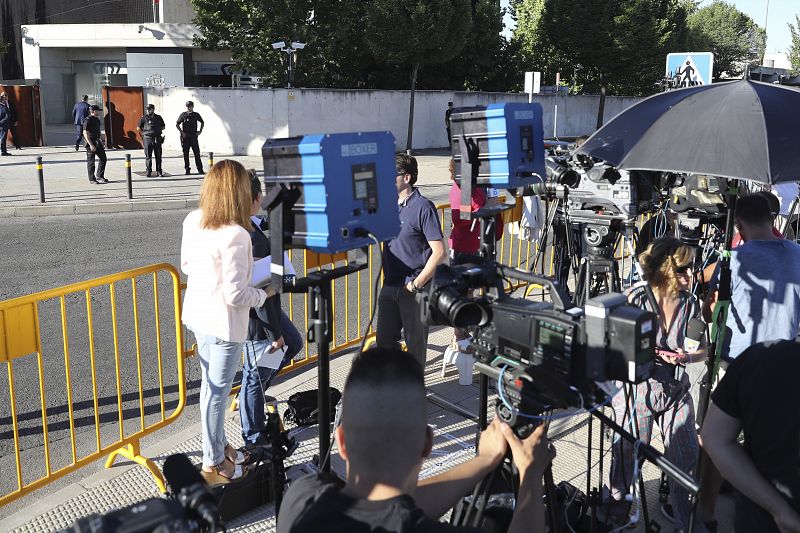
<point x="128" y="176"/>
<point x="210" y="159"/>
<point x="40" y="171"/>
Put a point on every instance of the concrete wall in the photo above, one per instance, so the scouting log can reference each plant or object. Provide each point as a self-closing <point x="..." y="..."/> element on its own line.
<point x="240" y="120"/>
<point x="176" y="11"/>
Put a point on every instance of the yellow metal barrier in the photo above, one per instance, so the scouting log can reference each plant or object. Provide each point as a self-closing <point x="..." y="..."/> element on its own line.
<point x="112" y="349"/>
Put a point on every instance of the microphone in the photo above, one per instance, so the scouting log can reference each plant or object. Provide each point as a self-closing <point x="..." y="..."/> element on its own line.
<point x="695" y="331"/>
<point x="190" y="488"/>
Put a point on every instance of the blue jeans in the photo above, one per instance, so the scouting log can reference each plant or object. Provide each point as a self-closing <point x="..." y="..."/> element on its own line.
<point x="256" y="379"/>
<point x="219" y="361"/>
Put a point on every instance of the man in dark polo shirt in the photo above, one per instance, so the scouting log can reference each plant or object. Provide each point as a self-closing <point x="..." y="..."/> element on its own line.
<point x="760" y="397"/>
<point x="92" y="129"/>
<point x="409" y="262"/>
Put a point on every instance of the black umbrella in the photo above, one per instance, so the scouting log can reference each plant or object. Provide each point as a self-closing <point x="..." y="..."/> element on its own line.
<point x="741" y="129"/>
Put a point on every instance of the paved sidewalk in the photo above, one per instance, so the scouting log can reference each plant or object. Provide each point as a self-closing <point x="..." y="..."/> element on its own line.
<point x="68" y="191"/>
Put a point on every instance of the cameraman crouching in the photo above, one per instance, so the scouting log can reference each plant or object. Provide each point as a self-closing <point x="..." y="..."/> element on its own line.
<point x="384" y="439"/>
<point x="759" y="396"/>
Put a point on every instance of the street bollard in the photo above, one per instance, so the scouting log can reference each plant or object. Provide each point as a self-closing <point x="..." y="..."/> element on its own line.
<point x="128" y="175"/>
<point x="210" y="159"/>
<point x="40" y="171"/>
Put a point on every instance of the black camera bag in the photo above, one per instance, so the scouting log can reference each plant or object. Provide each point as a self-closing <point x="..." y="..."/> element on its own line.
<point x="303" y="410"/>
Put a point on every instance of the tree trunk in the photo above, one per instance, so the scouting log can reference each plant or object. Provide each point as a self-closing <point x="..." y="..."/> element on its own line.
<point x="602" y="108"/>
<point x="411" y="108"/>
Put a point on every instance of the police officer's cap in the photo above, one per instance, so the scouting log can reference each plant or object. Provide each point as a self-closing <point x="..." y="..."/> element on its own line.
<point x="189" y="104"/>
<point x="95" y="107"/>
<point x="151" y="106"/>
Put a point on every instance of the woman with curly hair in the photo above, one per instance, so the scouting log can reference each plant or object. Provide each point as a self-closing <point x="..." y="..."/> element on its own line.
<point x="663" y="399"/>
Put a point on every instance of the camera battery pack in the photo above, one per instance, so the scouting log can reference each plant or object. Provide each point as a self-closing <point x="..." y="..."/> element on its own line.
<point x="620" y="340"/>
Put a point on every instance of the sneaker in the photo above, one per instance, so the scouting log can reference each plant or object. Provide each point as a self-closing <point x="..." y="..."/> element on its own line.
<point x="149" y="174"/>
<point x="5" y="153"/>
<point x="77" y="147"/>
<point x="93" y="181"/>
<point x="160" y="174"/>
<point x="668" y="513"/>
<point x="188" y="171"/>
<point x="102" y="180"/>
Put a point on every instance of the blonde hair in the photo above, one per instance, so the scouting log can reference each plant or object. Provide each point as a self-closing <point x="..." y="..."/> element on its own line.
<point x="662" y="259"/>
<point x="225" y="196"/>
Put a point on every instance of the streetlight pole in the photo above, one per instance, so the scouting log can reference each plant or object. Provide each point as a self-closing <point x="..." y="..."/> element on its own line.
<point x="290" y="50"/>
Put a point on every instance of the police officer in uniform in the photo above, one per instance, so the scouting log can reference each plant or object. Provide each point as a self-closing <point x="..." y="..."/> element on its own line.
<point x="150" y="127"/>
<point x="187" y="125"/>
<point x="94" y="146"/>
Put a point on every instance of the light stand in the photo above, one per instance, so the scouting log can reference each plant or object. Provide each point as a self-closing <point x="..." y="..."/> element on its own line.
<point x="279" y="201"/>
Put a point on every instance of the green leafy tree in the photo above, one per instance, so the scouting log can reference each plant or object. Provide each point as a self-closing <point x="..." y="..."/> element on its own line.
<point x="734" y="38"/>
<point x="413" y="33"/>
<point x="482" y="65"/>
<point x="794" y="48"/>
<point x="335" y="54"/>
<point x="620" y="45"/>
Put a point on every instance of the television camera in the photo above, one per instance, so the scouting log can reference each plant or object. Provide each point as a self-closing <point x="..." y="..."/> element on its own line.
<point x="543" y="356"/>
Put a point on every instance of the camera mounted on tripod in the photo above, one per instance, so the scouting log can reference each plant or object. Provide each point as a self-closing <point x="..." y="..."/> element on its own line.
<point x="543" y="356"/>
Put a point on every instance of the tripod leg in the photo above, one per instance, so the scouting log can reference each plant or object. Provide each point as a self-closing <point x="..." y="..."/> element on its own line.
<point x="554" y="511"/>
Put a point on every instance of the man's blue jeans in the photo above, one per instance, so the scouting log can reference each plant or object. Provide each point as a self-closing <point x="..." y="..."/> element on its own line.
<point x="256" y="379"/>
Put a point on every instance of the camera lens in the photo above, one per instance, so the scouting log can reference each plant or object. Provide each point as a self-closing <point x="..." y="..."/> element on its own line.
<point x="459" y="311"/>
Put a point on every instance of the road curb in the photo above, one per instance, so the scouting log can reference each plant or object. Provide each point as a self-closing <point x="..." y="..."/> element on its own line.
<point x="94" y="209"/>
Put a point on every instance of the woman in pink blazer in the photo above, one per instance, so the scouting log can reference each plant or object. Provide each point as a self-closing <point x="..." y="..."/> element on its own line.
<point x="216" y="256"/>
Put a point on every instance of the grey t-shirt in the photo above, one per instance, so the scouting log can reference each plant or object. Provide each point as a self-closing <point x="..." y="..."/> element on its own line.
<point x="765" y="294"/>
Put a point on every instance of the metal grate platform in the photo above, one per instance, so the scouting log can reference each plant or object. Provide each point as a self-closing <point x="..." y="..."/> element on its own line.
<point x="453" y="443"/>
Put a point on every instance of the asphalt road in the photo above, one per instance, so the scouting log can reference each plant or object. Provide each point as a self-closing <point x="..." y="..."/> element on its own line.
<point x="41" y="253"/>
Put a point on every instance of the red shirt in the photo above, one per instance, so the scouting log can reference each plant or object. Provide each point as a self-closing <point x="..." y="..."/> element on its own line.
<point x="465" y="237"/>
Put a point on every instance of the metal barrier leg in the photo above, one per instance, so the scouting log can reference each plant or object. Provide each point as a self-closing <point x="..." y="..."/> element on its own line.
<point x="133" y="453"/>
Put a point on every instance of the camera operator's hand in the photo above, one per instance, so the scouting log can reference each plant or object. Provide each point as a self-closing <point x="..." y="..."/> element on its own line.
<point x="492" y="445"/>
<point x="531" y="455"/>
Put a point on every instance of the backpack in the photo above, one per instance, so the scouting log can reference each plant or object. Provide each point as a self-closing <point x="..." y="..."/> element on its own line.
<point x="303" y="410"/>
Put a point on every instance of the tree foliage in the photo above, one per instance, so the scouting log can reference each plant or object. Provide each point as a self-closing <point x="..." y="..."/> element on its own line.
<point x="4" y="46"/>
<point x="734" y="38"/>
<point x="620" y="44"/>
<point x="338" y="53"/>
<point x="794" y="48"/>
<point x="417" y="32"/>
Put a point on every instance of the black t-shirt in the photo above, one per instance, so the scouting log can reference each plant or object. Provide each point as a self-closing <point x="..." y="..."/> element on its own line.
<point x="92" y="125"/>
<point x="151" y="125"/>
<point x="314" y="503"/>
<point x="760" y="389"/>
<point x="188" y="122"/>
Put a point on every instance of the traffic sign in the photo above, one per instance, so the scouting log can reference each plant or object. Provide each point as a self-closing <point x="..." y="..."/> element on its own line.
<point x="687" y="69"/>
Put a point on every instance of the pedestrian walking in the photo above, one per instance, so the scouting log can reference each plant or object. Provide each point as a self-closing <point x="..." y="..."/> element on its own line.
<point x="79" y="113"/>
<point x="150" y="127"/>
<point x="187" y="125"/>
<point x="447" y="114"/>
<point x="6" y="101"/>
<point x="94" y="146"/>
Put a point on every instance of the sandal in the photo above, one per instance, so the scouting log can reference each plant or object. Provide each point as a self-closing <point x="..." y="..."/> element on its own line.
<point x="237" y="457"/>
<point x="217" y="475"/>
